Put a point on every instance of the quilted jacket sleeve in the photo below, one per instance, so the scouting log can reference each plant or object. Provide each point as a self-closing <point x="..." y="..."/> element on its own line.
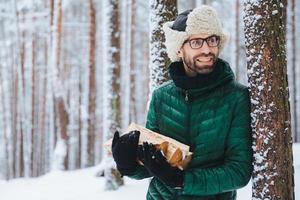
<point x="151" y="124"/>
<point x="236" y="170"/>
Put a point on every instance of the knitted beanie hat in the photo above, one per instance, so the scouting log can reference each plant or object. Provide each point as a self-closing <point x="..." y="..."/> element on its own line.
<point x="201" y="20"/>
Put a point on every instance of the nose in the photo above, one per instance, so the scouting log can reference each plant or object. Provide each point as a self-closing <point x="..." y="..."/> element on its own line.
<point x="205" y="48"/>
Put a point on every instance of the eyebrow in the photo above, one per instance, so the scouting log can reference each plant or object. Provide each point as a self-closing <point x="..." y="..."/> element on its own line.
<point x="201" y="37"/>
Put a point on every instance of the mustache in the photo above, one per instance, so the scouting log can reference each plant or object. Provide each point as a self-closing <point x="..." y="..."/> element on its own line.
<point x="205" y="55"/>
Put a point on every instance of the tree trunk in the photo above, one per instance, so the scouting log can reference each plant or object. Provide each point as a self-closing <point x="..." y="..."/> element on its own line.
<point x="19" y="66"/>
<point x="161" y="11"/>
<point x="133" y="101"/>
<point x="60" y="109"/>
<point x="237" y="39"/>
<point x="111" y="84"/>
<point x="184" y="5"/>
<point x="293" y="72"/>
<point x="92" y="85"/>
<point x="205" y="2"/>
<point x="267" y="74"/>
<point x="44" y="137"/>
<point x="33" y="102"/>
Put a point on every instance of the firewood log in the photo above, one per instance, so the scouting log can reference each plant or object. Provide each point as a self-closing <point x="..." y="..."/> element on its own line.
<point x="176" y="153"/>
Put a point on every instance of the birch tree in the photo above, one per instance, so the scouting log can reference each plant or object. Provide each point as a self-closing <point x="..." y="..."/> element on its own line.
<point x="271" y="123"/>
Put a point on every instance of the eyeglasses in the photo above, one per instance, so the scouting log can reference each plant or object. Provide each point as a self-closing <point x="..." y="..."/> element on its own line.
<point x="197" y="43"/>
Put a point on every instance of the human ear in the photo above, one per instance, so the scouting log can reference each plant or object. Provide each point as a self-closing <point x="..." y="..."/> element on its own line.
<point x="179" y="53"/>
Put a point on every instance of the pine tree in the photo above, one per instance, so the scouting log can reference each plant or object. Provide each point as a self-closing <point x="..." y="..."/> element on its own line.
<point x="184" y="5"/>
<point x="161" y="11"/>
<point x="60" y="107"/>
<point x="294" y="102"/>
<point x="111" y="86"/>
<point x="271" y="123"/>
<point x="92" y="85"/>
<point x="133" y="74"/>
<point x="237" y="38"/>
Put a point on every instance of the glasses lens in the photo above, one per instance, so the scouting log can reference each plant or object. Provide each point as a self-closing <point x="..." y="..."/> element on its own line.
<point x="196" y="43"/>
<point x="213" y="41"/>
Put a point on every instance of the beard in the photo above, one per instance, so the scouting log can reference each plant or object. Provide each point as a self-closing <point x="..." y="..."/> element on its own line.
<point x="201" y="63"/>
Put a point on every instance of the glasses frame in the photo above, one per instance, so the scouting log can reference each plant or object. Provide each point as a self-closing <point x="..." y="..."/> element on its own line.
<point x="204" y="40"/>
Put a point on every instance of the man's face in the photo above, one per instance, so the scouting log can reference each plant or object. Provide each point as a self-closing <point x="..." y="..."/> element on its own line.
<point x="199" y="60"/>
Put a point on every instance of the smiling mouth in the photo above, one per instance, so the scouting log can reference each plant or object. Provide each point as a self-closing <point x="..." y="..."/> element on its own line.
<point x="204" y="59"/>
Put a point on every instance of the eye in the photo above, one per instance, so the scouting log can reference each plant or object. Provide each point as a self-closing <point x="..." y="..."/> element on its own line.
<point x="212" y="39"/>
<point x="196" y="42"/>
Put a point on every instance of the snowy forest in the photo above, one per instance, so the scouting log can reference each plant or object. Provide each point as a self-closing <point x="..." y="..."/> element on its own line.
<point x="74" y="71"/>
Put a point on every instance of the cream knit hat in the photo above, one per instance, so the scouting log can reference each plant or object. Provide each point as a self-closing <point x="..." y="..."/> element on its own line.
<point x="203" y="19"/>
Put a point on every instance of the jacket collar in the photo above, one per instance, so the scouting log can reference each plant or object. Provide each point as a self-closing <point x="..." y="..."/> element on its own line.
<point x="201" y="83"/>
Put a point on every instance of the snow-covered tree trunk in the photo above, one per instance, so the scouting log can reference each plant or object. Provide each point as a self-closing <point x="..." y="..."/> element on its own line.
<point x="92" y="84"/>
<point x="297" y="95"/>
<point x="185" y="5"/>
<point x="237" y="39"/>
<point x="125" y="60"/>
<point x="83" y="45"/>
<point x="111" y="86"/>
<point x="61" y="118"/>
<point x="33" y="85"/>
<point x="99" y="91"/>
<point x="27" y="69"/>
<point x="43" y="109"/>
<point x="293" y="53"/>
<point x="271" y="123"/>
<point x="141" y="60"/>
<point x="18" y="96"/>
<point x="5" y="91"/>
<point x="206" y="2"/>
<point x="2" y="133"/>
<point x="50" y="119"/>
<point x="161" y="11"/>
<point x="133" y="71"/>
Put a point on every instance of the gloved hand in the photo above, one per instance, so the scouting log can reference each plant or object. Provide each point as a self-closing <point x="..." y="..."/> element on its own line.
<point x="124" y="151"/>
<point x="157" y="165"/>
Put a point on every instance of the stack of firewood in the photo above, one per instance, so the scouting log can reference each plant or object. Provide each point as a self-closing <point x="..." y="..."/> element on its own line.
<point x="176" y="153"/>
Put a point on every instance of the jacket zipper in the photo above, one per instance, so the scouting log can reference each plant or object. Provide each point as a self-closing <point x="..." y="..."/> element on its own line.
<point x="186" y="96"/>
<point x="189" y="108"/>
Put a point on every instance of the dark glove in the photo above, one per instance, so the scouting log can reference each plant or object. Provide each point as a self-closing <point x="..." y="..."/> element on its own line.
<point x="157" y="165"/>
<point x="124" y="151"/>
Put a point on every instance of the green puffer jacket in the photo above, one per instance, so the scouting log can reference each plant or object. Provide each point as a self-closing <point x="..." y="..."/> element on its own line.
<point x="212" y="116"/>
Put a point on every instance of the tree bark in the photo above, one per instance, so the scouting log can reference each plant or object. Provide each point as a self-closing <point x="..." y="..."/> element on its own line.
<point x="237" y="39"/>
<point x="294" y="73"/>
<point x="206" y="2"/>
<point x="112" y="113"/>
<point x="60" y="108"/>
<point x="267" y="74"/>
<point x="161" y="11"/>
<point x="184" y="5"/>
<point x="92" y="85"/>
<point x="133" y="101"/>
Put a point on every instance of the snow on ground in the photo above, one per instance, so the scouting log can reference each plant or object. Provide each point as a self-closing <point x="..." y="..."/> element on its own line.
<point x="72" y="185"/>
<point x="82" y="184"/>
